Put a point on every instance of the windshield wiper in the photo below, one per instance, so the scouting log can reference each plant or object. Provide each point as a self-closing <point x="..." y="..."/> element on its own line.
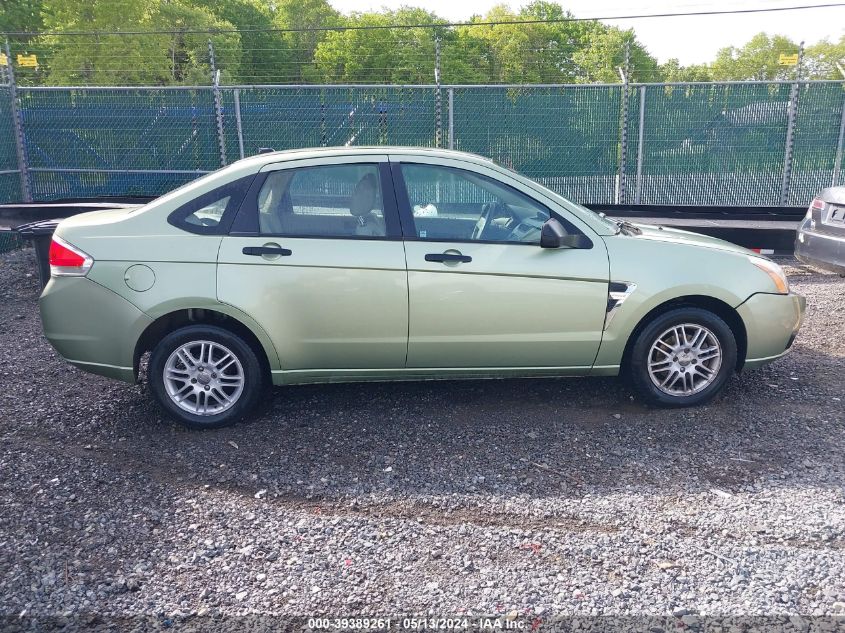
<point x="623" y="226"/>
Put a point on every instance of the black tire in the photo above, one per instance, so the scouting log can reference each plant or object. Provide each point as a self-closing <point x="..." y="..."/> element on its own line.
<point x="638" y="361"/>
<point x="253" y="378"/>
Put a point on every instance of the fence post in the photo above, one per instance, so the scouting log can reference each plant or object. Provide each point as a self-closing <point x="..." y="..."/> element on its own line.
<point x="452" y="118"/>
<point x="218" y="104"/>
<point x="791" y="115"/>
<point x="837" y="162"/>
<point x="438" y="100"/>
<point x="17" y="120"/>
<point x="238" y="124"/>
<point x="623" y="140"/>
<point x="639" y="189"/>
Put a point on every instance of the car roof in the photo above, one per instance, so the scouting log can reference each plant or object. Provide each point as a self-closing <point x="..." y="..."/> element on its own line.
<point x="267" y="158"/>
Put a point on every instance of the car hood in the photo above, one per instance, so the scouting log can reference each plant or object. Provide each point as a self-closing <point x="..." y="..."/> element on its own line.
<point x="677" y="236"/>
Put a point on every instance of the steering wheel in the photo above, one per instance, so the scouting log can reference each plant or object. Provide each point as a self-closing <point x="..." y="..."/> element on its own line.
<point x="485" y="220"/>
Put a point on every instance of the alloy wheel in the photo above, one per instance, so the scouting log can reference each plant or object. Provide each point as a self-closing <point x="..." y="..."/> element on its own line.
<point x="685" y="359"/>
<point x="203" y="378"/>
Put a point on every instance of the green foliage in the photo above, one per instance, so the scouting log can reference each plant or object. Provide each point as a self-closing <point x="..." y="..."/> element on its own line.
<point x="673" y="71"/>
<point x="826" y="60"/>
<point x="260" y="54"/>
<point x="150" y="58"/>
<point x="379" y="55"/>
<point x="21" y="15"/>
<point x="758" y="59"/>
<point x="552" y="52"/>
<point x="303" y="41"/>
<point x="299" y="48"/>
<point x="604" y="54"/>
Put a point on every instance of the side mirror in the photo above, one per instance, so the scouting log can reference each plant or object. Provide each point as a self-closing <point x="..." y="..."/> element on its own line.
<point x="553" y="235"/>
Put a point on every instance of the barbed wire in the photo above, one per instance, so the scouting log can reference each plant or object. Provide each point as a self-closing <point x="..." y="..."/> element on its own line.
<point x="404" y="55"/>
<point x="444" y="24"/>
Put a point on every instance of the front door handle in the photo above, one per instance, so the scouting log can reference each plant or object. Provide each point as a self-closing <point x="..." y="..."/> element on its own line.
<point x="447" y="257"/>
<point x="267" y="250"/>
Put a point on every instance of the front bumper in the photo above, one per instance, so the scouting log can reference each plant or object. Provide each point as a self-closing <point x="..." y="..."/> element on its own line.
<point x="91" y="326"/>
<point x="771" y="324"/>
<point x="821" y="250"/>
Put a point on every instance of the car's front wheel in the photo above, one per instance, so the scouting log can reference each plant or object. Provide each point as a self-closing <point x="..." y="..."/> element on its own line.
<point x="683" y="358"/>
<point x="205" y="376"/>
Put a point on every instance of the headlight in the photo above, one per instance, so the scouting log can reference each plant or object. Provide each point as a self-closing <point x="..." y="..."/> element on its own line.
<point x="774" y="271"/>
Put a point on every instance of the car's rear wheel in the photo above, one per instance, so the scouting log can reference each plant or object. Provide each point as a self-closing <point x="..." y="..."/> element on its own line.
<point x="204" y="376"/>
<point x="683" y="358"/>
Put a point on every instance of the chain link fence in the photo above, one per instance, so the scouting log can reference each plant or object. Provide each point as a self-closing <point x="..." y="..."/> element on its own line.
<point x="685" y="144"/>
<point x="726" y="144"/>
<point x="566" y="137"/>
<point x="9" y="173"/>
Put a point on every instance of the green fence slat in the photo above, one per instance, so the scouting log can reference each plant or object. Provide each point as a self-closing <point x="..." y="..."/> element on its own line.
<point x="703" y="144"/>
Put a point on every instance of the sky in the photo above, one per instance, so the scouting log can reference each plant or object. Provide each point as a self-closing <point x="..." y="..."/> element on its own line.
<point x="691" y="40"/>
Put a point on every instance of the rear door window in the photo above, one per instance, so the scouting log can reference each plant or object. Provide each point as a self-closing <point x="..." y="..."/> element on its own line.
<point x="323" y="201"/>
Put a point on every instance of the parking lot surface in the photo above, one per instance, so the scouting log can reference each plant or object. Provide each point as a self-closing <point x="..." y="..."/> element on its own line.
<point x="539" y="497"/>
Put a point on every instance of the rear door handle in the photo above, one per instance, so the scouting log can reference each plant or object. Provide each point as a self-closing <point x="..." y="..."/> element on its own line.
<point x="447" y="257"/>
<point x="266" y="250"/>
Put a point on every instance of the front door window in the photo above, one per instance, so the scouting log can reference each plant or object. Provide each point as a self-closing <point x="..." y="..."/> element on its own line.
<point x="455" y="205"/>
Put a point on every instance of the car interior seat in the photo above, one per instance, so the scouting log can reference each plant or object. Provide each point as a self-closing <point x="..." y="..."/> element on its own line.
<point x="361" y="205"/>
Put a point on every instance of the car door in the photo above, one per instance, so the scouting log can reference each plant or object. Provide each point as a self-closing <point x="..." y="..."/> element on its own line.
<point x="482" y="292"/>
<point x="316" y="257"/>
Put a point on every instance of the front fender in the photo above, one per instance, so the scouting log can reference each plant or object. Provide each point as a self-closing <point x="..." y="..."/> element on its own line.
<point x="666" y="272"/>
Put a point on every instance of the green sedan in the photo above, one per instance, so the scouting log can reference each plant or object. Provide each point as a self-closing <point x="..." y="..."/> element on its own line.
<point x="358" y="264"/>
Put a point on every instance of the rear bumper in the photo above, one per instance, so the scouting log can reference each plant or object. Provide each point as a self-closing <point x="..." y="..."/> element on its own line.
<point x="771" y="323"/>
<point x="822" y="250"/>
<point x="92" y="327"/>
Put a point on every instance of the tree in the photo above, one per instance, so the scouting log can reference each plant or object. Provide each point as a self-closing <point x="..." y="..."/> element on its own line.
<point x="299" y="47"/>
<point x="371" y="53"/>
<point x="110" y="58"/>
<point x="21" y="16"/>
<point x="303" y="41"/>
<point x="262" y="49"/>
<point x="826" y="60"/>
<point x="558" y="51"/>
<point x="757" y="60"/>
<point x="672" y="71"/>
<point x="187" y="47"/>
<point x="103" y="59"/>
<point x="604" y="53"/>
<point x="524" y="53"/>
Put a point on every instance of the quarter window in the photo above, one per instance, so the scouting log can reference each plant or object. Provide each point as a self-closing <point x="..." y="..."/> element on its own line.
<point x="449" y="204"/>
<point x="210" y="213"/>
<point x="324" y="201"/>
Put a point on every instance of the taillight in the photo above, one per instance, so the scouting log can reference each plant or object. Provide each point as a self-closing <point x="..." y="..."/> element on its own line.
<point x="817" y="204"/>
<point x="67" y="260"/>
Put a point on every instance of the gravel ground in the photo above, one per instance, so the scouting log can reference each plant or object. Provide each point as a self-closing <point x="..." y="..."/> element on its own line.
<point x="529" y="498"/>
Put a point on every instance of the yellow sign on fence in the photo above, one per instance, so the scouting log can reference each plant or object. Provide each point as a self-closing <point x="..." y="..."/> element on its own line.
<point x="4" y="61"/>
<point x="28" y="61"/>
<point x="788" y="60"/>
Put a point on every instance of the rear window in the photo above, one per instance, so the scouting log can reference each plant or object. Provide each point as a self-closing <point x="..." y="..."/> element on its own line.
<point x="212" y="212"/>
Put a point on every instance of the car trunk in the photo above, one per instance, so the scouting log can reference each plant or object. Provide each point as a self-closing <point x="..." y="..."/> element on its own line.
<point x="830" y="219"/>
